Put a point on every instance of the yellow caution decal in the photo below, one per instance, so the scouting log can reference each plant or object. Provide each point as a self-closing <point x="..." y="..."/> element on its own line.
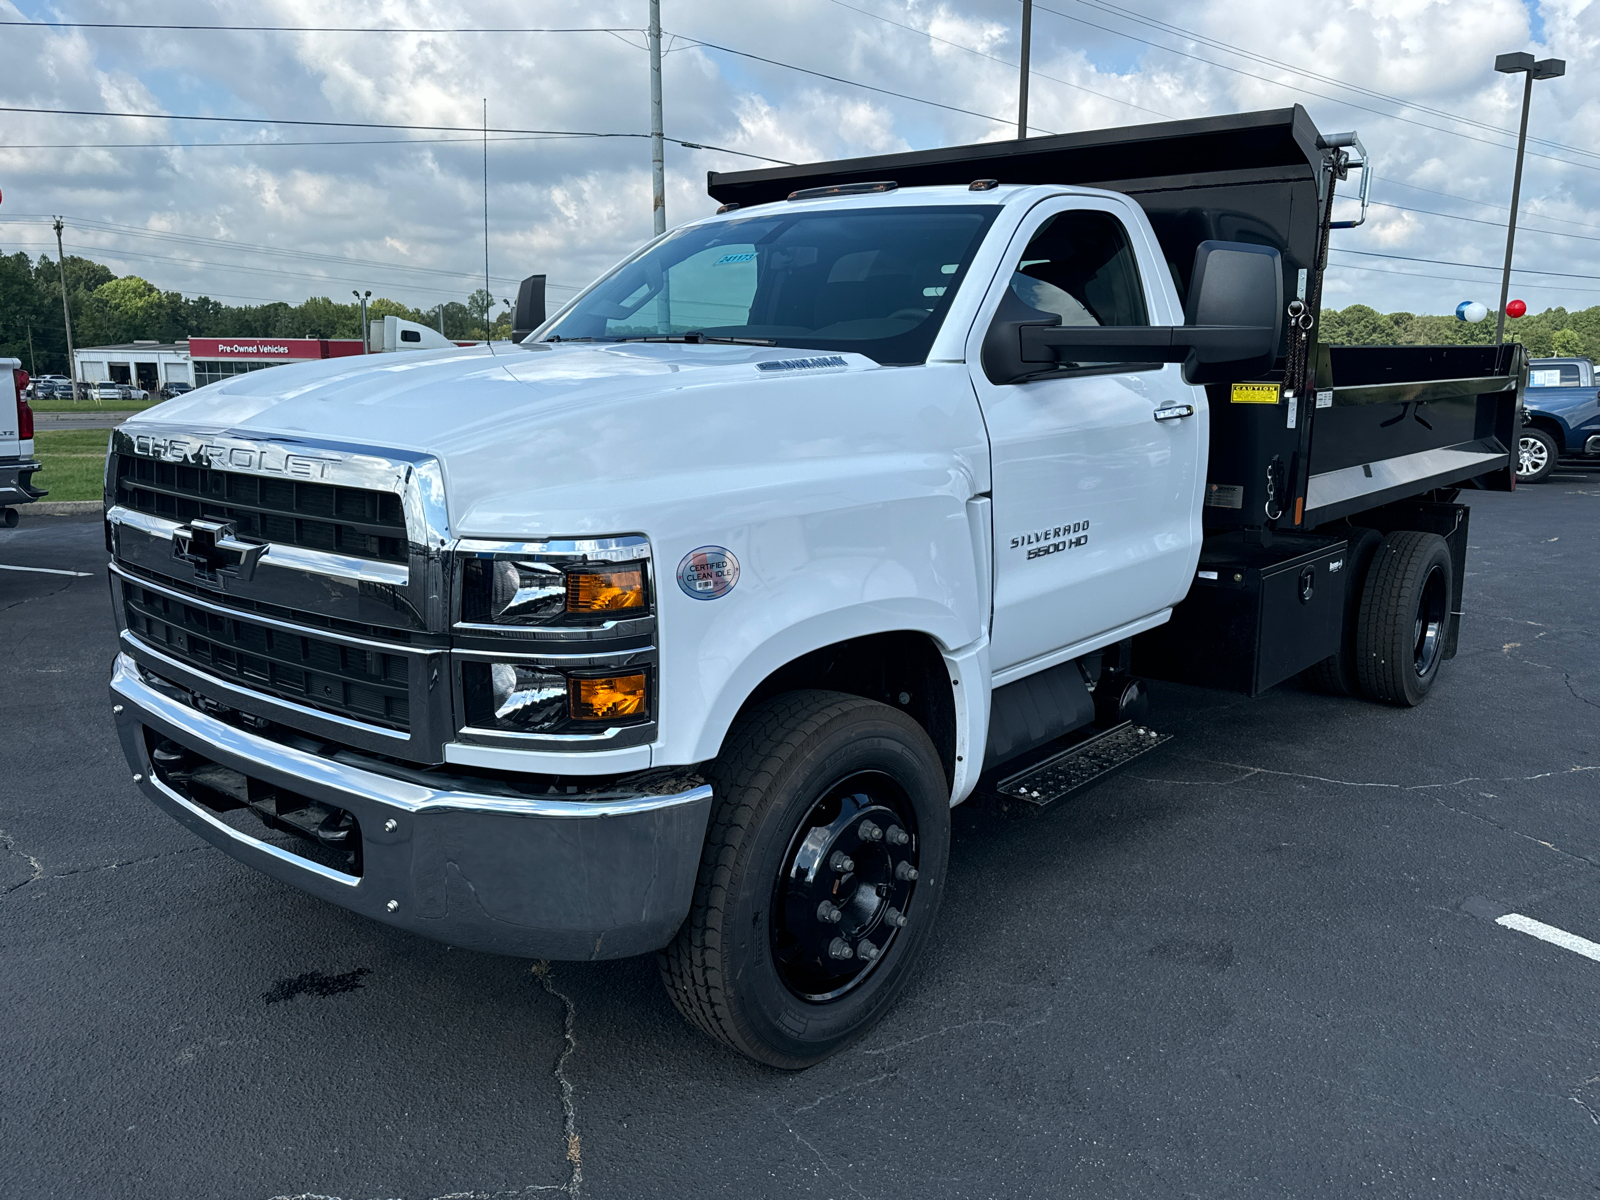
<point x="1254" y="393"/>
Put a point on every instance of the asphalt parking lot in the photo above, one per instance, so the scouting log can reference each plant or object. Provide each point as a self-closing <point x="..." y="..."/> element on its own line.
<point x="1262" y="962"/>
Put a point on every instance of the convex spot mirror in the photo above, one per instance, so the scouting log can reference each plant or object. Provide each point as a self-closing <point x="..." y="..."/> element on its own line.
<point x="1232" y="324"/>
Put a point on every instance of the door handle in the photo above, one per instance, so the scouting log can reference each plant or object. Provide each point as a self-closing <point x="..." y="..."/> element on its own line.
<point x="1174" y="412"/>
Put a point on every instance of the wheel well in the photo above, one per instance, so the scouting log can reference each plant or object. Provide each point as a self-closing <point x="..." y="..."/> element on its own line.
<point x="882" y="667"/>
<point x="1550" y="426"/>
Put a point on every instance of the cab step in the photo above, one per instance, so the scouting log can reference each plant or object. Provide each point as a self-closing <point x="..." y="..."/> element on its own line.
<point x="1080" y="765"/>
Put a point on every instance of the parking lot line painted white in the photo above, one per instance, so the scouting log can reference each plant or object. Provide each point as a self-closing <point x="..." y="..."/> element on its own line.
<point x="1549" y="933"/>
<point x="47" y="571"/>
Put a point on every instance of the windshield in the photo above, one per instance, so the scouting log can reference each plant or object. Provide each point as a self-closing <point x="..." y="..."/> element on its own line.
<point x="875" y="281"/>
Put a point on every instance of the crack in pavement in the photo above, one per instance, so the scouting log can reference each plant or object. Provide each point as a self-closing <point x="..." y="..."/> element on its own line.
<point x="820" y="1158"/>
<point x="9" y="845"/>
<point x="958" y="1028"/>
<point x="46" y="596"/>
<point x="1576" y="694"/>
<point x="541" y="972"/>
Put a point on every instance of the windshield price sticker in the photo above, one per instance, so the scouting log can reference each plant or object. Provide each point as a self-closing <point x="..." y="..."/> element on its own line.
<point x="708" y="572"/>
<point x="1254" y="393"/>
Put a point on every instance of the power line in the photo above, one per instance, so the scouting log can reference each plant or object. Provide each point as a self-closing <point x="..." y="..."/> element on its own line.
<point x="1308" y="92"/>
<point x="1265" y="60"/>
<point x="1479" y="221"/>
<point x="1546" y="287"/>
<point x="553" y="133"/>
<point x="1444" y="262"/>
<point x="1483" y="203"/>
<point x="274" y="145"/>
<point x="847" y="82"/>
<point x="198" y="28"/>
<point x="997" y="59"/>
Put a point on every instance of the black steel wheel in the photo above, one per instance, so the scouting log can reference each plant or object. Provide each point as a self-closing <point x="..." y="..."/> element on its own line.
<point x="1536" y="455"/>
<point x="822" y="872"/>
<point x="1405" y="617"/>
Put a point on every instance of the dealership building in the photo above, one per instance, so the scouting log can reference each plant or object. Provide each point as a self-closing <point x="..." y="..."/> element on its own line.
<point x="199" y="361"/>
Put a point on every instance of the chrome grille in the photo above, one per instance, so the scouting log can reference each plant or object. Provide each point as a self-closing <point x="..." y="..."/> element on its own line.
<point x="369" y="685"/>
<point x="318" y="516"/>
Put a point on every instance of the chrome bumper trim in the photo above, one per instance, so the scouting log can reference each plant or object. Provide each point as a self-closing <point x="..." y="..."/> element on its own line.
<point x="532" y="877"/>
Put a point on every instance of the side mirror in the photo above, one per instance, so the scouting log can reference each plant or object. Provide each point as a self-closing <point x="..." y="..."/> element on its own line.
<point x="1233" y="321"/>
<point x="529" y="312"/>
<point x="1236" y="297"/>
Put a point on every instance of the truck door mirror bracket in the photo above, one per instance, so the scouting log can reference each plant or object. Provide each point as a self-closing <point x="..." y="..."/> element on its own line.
<point x="1233" y="321"/>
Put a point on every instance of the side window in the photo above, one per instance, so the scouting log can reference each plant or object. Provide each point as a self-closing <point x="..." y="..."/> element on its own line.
<point x="1080" y="266"/>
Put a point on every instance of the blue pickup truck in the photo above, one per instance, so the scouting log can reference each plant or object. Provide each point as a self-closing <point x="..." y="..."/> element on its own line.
<point x="1562" y="415"/>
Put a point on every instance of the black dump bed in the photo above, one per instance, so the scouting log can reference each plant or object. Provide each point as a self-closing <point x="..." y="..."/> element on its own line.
<point x="1348" y="428"/>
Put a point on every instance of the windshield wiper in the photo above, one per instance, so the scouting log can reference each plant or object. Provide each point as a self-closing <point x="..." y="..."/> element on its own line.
<point x="556" y="337"/>
<point x="693" y="339"/>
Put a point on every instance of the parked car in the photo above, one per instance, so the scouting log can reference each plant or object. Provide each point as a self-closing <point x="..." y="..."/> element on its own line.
<point x="1562" y="415"/>
<point x="106" y="390"/>
<point x="174" y="389"/>
<point x="17" y="463"/>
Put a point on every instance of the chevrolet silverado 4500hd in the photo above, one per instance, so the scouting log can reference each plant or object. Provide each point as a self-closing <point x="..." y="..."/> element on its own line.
<point x="679" y="626"/>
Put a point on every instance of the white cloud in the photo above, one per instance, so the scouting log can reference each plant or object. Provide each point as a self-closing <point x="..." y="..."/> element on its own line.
<point x="570" y="208"/>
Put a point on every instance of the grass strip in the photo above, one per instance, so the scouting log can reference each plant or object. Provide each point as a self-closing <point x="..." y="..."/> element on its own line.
<point x="74" y="462"/>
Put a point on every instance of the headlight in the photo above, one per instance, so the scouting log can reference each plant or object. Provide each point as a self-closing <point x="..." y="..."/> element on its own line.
<point x="554" y="584"/>
<point x="523" y="698"/>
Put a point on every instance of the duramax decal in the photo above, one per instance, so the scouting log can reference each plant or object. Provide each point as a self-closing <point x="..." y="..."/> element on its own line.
<point x="1043" y="542"/>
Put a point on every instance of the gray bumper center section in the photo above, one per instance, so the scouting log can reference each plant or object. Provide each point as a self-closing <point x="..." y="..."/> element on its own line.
<point x="532" y="877"/>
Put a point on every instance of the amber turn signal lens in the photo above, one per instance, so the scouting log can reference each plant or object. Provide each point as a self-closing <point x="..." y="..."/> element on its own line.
<point x="609" y="698"/>
<point x="605" y="590"/>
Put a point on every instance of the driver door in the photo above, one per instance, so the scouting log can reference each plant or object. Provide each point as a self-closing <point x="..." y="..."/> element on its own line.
<point x="1096" y="498"/>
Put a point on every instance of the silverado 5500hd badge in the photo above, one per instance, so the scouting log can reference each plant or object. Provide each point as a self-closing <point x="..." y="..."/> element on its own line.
<point x="1042" y="542"/>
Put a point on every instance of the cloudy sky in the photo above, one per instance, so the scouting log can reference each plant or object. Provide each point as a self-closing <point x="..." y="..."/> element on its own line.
<point x="248" y="211"/>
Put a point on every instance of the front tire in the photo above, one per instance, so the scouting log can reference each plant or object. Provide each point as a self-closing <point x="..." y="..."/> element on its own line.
<point x="1405" y="618"/>
<point x="1536" y="455"/>
<point x="823" y="867"/>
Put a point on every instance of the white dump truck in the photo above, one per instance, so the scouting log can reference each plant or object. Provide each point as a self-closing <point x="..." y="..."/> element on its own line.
<point x="679" y="626"/>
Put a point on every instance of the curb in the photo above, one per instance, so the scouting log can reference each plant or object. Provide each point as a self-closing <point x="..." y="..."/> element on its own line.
<point x="60" y="508"/>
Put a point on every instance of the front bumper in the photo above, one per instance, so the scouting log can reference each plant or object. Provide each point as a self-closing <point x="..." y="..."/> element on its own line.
<point x="532" y="877"/>
<point x="15" y="487"/>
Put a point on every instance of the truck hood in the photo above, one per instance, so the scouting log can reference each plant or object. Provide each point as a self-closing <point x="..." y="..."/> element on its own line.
<point x="515" y="427"/>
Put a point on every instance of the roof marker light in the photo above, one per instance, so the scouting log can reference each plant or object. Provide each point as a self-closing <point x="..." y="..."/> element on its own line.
<point x="844" y="189"/>
<point x="983" y="185"/>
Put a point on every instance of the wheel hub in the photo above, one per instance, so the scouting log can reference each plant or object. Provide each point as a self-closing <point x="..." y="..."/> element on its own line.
<point x="1531" y="455"/>
<point x="1428" y="630"/>
<point x="844" y="893"/>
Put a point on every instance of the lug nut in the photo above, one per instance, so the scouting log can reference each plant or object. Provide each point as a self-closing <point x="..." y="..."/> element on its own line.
<point x="905" y="871"/>
<point x="390" y="825"/>
<point x="897" y="836"/>
<point x="393" y="905"/>
<point x="868" y="832"/>
<point x="841" y="862"/>
<point x="895" y="917"/>
<point x="827" y="912"/>
<point x="116" y="708"/>
<point x="839" y="948"/>
<point x="866" y="952"/>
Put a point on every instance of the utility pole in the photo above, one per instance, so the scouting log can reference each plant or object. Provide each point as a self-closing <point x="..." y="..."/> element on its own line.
<point x="33" y="367"/>
<point x="1547" y="68"/>
<point x="1022" y="83"/>
<point x="61" y="264"/>
<point x="658" y="173"/>
<point x="486" y="194"/>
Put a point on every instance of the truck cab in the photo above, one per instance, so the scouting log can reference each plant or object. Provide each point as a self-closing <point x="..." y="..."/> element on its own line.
<point x="1563" y="415"/>
<point x="680" y="625"/>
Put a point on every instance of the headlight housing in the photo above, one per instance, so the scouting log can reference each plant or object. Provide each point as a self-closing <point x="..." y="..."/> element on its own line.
<point x="554" y="585"/>
<point x="554" y="643"/>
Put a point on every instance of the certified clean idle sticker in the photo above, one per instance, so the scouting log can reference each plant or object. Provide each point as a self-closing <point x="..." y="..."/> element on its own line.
<point x="708" y="572"/>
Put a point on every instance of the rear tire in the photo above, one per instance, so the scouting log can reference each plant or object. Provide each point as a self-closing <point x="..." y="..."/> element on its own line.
<point x="802" y="777"/>
<point x="1405" y="618"/>
<point x="1536" y="455"/>
<point x="1336" y="674"/>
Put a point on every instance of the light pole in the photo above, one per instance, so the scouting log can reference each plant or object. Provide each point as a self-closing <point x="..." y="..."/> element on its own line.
<point x="66" y="313"/>
<point x="1545" y="68"/>
<point x="1022" y="82"/>
<point x="366" y="335"/>
<point x="658" y="177"/>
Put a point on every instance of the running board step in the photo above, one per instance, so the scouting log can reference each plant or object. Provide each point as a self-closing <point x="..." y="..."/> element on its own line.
<point x="1076" y="767"/>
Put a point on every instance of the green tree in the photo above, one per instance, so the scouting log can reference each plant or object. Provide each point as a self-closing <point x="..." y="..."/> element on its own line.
<point x="1567" y="343"/>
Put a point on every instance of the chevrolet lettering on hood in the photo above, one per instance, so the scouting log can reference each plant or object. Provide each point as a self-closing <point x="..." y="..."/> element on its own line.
<point x="269" y="460"/>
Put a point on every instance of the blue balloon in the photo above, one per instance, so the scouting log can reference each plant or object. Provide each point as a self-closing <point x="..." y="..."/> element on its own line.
<point x="1471" y="311"/>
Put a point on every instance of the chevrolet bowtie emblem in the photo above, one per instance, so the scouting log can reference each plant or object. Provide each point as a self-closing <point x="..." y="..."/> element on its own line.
<point x="213" y="550"/>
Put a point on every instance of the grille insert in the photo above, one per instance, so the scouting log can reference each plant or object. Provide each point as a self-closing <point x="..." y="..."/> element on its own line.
<point x="364" y="684"/>
<point x="319" y="516"/>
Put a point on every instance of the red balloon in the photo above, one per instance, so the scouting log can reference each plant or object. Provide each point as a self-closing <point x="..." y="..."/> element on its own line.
<point x="1515" y="308"/>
